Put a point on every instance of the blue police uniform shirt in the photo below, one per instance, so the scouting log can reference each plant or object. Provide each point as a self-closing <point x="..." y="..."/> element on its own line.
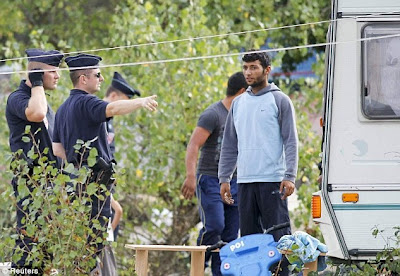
<point x="15" y="113"/>
<point x="82" y="116"/>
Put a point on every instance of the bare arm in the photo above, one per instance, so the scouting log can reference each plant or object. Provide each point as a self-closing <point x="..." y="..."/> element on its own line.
<point x="59" y="150"/>
<point x="37" y="106"/>
<point x="118" y="213"/>
<point x="122" y="107"/>
<point x="199" y="137"/>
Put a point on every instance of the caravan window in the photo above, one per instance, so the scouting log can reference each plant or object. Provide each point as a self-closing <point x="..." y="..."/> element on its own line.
<point x="381" y="71"/>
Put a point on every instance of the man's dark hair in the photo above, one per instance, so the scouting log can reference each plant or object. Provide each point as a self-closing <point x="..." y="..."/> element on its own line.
<point x="111" y="89"/>
<point x="235" y="83"/>
<point x="263" y="57"/>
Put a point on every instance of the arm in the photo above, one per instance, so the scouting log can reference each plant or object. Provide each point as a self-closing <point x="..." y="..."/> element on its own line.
<point x="290" y="143"/>
<point x="37" y="106"/>
<point x="122" y="107"/>
<point x="228" y="158"/>
<point x="199" y="137"/>
<point x="118" y="213"/>
<point x="229" y="151"/>
<point x="59" y="151"/>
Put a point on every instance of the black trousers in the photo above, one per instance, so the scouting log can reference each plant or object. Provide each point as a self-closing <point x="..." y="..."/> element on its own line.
<point x="261" y="207"/>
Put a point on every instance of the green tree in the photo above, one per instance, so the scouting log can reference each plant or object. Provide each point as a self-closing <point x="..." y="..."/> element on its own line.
<point x="56" y="208"/>
<point x="64" y="25"/>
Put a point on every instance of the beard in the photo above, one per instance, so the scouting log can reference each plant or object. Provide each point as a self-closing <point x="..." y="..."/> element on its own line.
<point x="258" y="82"/>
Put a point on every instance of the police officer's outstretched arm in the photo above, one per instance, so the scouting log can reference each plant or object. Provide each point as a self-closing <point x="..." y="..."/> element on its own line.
<point x="122" y="107"/>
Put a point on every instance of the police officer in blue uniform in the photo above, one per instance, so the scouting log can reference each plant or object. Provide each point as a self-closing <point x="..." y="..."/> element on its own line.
<point x="83" y="117"/>
<point x="118" y="90"/>
<point x="27" y="106"/>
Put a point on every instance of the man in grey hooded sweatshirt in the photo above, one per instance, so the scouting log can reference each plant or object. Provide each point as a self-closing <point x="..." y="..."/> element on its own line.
<point x="260" y="138"/>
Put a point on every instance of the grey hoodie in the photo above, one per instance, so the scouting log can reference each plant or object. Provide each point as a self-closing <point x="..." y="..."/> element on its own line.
<point x="260" y="137"/>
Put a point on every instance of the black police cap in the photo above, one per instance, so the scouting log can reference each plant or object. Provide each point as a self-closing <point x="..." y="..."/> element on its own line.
<point x="119" y="83"/>
<point x="52" y="57"/>
<point x="82" y="60"/>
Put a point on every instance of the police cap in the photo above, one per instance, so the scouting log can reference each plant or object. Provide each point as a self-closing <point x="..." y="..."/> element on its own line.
<point x="119" y="83"/>
<point x="52" y="57"/>
<point x="82" y="60"/>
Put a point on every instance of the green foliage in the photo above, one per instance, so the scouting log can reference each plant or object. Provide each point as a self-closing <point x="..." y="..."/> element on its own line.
<point x="59" y="24"/>
<point x="57" y="215"/>
<point x="387" y="261"/>
<point x="156" y="167"/>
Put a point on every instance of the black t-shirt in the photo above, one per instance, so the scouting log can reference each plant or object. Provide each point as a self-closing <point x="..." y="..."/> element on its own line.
<point x="212" y="119"/>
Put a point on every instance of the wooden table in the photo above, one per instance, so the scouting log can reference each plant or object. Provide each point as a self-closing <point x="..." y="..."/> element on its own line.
<point x="142" y="256"/>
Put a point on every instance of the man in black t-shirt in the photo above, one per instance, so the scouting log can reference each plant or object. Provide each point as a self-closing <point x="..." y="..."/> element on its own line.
<point x="220" y="220"/>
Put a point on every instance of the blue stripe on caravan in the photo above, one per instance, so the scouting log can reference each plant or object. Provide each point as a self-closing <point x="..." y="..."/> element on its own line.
<point x="366" y="206"/>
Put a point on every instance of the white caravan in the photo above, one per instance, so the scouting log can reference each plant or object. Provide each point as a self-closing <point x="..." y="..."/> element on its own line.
<point x="360" y="188"/>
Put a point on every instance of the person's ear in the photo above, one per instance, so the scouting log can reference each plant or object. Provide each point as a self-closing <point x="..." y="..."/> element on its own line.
<point x="268" y="69"/>
<point x="82" y="80"/>
<point x="114" y="95"/>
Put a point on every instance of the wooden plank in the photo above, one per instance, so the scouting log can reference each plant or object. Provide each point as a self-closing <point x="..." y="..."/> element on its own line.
<point x="197" y="263"/>
<point x="141" y="263"/>
<point x="166" y="247"/>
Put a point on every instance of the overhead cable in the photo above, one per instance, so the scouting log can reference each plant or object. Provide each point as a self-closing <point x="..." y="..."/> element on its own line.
<point x="214" y="56"/>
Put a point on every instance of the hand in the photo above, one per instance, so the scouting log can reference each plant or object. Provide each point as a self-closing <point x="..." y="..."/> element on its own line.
<point x="287" y="187"/>
<point x="225" y="192"/>
<point x="150" y="103"/>
<point x="36" y="78"/>
<point x="188" y="187"/>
